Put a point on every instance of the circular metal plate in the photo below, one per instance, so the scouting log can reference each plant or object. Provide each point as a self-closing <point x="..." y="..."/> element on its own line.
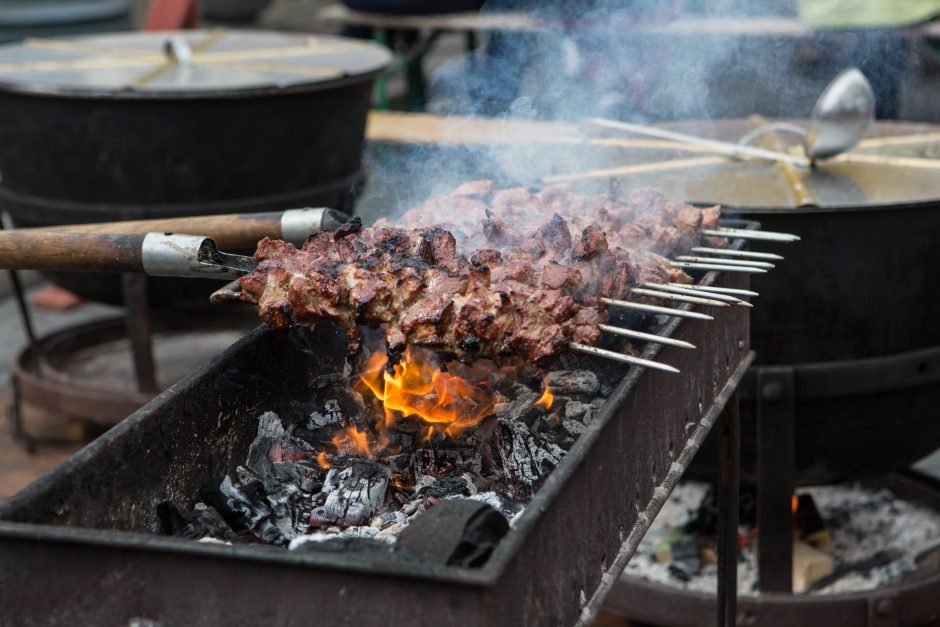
<point x="86" y="371"/>
<point x="185" y="64"/>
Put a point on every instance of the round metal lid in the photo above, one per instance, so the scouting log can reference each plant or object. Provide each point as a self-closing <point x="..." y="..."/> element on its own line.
<point x="185" y="64"/>
<point x="897" y="164"/>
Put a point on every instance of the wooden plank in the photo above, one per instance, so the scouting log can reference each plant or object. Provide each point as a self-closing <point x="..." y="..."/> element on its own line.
<point x="419" y="128"/>
<point x="425" y="128"/>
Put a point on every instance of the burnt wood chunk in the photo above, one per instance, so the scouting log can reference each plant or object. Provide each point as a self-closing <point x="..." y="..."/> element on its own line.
<point x="203" y="522"/>
<point x="457" y="532"/>
<point x="573" y="382"/>
<point x="526" y="457"/>
<point x="353" y="494"/>
<point x="439" y="462"/>
<point x="522" y="407"/>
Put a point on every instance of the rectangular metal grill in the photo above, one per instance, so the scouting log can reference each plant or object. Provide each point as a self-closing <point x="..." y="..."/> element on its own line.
<point x="78" y="546"/>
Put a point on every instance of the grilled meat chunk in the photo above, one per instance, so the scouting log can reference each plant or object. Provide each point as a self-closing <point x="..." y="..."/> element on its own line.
<point x="515" y="273"/>
<point x="413" y="283"/>
<point x="644" y="219"/>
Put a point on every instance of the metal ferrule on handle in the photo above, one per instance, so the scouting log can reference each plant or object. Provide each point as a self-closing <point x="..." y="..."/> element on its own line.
<point x="192" y="256"/>
<point x="298" y="224"/>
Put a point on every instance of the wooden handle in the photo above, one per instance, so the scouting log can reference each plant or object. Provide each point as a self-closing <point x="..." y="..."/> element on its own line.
<point x="34" y="249"/>
<point x="230" y="232"/>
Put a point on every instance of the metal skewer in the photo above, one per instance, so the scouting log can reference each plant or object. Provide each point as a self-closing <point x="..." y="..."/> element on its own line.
<point x="728" y="252"/>
<point x="626" y="359"/>
<point x="716" y="290"/>
<point x="681" y="313"/>
<point x="667" y="287"/>
<point x="227" y="293"/>
<point x="698" y="299"/>
<point x="767" y="236"/>
<point x="727" y="262"/>
<point x="714" y="266"/>
<point x="646" y="337"/>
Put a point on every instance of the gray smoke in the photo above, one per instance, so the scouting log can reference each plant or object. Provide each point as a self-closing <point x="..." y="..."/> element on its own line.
<point x="600" y="58"/>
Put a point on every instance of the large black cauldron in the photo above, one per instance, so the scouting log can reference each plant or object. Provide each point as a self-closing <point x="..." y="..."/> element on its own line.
<point x="845" y="326"/>
<point x="845" y="331"/>
<point x="155" y="125"/>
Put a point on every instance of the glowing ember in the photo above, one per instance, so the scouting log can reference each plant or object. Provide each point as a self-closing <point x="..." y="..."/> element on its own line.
<point x="322" y="460"/>
<point x="418" y="388"/>
<point x="795" y="503"/>
<point x="352" y="442"/>
<point x="546" y="399"/>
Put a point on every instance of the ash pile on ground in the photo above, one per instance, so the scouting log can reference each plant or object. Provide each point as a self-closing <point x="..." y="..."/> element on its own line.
<point x="878" y="540"/>
<point x="286" y="493"/>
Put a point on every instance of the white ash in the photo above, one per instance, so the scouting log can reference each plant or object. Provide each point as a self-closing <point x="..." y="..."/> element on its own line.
<point x="211" y="540"/>
<point x="285" y="494"/>
<point x="510" y="509"/>
<point x="861" y="522"/>
<point x="331" y="414"/>
<point x="353" y="494"/>
<point x="388" y="520"/>
<point x="352" y="532"/>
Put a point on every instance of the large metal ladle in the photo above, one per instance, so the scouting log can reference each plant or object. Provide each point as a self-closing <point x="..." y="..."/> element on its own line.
<point x="841" y="116"/>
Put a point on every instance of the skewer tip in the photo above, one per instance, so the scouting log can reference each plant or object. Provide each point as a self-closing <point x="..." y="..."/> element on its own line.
<point x="621" y="357"/>
<point x="228" y="293"/>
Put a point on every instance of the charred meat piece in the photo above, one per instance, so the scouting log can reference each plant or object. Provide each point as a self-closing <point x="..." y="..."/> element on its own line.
<point x="643" y="219"/>
<point x="513" y="273"/>
<point x="413" y="283"/>
<point x="530" y="303"/>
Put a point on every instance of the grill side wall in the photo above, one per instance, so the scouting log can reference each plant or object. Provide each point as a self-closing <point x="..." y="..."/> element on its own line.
<point x="552" y="569"/>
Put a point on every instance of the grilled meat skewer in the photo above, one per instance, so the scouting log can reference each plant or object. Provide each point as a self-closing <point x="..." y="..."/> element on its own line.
<point x="426" y="294"/>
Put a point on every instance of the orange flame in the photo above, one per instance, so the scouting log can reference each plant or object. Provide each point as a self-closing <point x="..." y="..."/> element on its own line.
<point x="351" y="441"/>
<point x="546" y="399"/>
<point x="322" y="460"/>
<point x="795" y="503"/>
<point x="417" y="388"/>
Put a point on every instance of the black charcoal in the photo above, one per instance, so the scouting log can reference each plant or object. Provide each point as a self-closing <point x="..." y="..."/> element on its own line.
<point x="441" y="461"/>
<point x="573" y="382"/>
<point x="575" y="410"/>
<point x="448" y="485"/>
<point x="573" y="427"/>
<point x="686" y="558"/>
<point x="202" y="522"/>
<point x="522" y="408"/>
<point x="305" y="475"/>
<point x="457" y="532"/>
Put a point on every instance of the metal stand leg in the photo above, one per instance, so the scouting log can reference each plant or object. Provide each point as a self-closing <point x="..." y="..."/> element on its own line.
<point x="139" y="331"/>
<point x="26" y="319"/>
<point x="775" y="448"/>
<point x="729" y="479"/>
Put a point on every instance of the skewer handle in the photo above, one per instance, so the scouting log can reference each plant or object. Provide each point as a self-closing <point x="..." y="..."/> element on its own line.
<point x="156" y="254"/>
<point x="231" y="231"/>
<point x="99" y="252"/>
